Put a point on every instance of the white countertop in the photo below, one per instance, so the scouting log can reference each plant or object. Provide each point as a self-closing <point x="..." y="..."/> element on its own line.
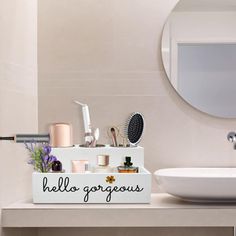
<point x="163" y="211"/>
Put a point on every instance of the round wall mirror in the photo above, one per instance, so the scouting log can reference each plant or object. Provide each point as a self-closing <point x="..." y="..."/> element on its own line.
<point x="199" y="54"/>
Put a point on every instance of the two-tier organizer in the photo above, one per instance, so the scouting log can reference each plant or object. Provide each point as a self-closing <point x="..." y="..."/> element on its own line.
<point x="112" y="187"/>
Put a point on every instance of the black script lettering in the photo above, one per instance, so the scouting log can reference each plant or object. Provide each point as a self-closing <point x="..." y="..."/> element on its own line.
<point x="122" y="189"/>
<point x="62" y="185"/>
<point x="45" y="187"/>
<point x="138" y="189"/>
<point x="86" y="197"/>
<point x="88" y="190"/>
<point x="131" y="189"/>
<point x="54" y="189"/>
<point x="109" y="190"/>
<point x="66" y="183"/>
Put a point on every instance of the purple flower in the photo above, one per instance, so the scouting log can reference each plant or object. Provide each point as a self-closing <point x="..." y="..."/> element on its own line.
<point x="48" y="159"/>
<point x="40" y="157"/>
<point x="47" y="149"/>
<point x="53" y="158"/>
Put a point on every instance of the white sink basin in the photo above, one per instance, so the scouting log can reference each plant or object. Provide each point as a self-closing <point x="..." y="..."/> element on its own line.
<point x="199" y="184"/>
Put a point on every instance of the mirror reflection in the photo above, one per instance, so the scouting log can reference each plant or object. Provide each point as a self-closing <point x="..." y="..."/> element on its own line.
<point x="199" y="54"/>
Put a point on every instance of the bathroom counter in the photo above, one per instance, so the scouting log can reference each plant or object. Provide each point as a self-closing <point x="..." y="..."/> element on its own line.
<point x="163" y="211"/>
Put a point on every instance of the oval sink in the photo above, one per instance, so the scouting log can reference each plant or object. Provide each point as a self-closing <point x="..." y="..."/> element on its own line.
<point x="199" y="184"/>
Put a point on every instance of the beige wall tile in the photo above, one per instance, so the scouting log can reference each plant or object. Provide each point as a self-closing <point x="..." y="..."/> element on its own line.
<point x="93" y="36"/>
<point x="176" y="133"/>
<point x="107" y="54"/>
<point x="18" y="98"/>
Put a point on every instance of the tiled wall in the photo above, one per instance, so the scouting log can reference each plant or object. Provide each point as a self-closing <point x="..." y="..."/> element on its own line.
<point x="18" y="95"/>
<point x="106" y="53"/>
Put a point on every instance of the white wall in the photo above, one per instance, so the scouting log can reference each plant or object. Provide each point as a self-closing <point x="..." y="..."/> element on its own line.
<point x="197" y="26"/>
<point x="18" y="96"/>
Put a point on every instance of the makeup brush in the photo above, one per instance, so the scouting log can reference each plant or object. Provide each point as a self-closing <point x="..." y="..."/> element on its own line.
<point x="113" y="137"/>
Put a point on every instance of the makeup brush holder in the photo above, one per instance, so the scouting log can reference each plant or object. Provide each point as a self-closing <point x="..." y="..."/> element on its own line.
<point x="111" y="187"/>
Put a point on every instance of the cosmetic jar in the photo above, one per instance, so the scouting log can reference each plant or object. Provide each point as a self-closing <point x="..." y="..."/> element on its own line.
<point x="103" y="160"/>
<point x="60" y="135"/>
<point x="103" y="164"/>
<point x="79" y="166"/>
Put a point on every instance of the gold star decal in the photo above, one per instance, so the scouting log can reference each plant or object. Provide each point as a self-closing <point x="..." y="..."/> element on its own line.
<point x="110" y="179"/>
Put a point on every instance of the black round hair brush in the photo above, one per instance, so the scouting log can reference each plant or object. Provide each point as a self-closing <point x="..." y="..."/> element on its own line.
<point x="134" y="128"/>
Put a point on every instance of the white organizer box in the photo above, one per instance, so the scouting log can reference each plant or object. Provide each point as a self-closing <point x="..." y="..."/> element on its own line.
<point x="94" y="187"/>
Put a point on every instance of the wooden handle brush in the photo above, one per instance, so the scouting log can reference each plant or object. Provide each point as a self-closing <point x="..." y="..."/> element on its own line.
<point x="113" y="136"/>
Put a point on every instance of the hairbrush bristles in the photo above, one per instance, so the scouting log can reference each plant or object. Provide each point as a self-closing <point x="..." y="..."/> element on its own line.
<point x="134" y="128"/>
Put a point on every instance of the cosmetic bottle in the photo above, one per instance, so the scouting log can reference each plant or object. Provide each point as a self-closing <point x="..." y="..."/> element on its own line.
<point x="103" y="164"/>
<point x="127" y="167"/>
